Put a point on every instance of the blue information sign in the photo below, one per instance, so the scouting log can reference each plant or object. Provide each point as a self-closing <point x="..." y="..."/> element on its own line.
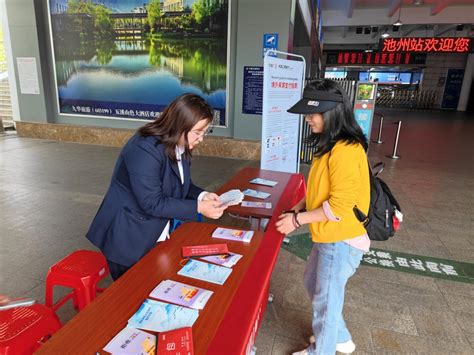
<point x="253" y="91"/>
<point x="270" y="41"/>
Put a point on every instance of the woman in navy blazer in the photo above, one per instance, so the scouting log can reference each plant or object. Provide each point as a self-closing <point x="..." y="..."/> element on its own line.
<point x="151" y="185"/>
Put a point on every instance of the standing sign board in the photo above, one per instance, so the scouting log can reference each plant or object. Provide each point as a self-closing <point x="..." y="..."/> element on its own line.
<point x="364" y="105"/>
<point x="282" y="87"/>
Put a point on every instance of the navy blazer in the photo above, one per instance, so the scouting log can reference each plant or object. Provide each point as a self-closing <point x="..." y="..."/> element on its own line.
<point x="145" y="193"/>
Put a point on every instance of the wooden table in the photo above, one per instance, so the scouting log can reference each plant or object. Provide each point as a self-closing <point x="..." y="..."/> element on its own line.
<point x="91" y="329"/>
<point x="241" y="181"/>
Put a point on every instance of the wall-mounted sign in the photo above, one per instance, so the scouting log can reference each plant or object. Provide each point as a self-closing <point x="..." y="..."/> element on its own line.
<point x="372" y="58"/>
<point x="253" y="90"/>
<point x="270" y="41"/>
<point x="427" y="44"/>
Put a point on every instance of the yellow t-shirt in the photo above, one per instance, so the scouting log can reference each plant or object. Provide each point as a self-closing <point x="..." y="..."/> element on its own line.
<point x="340" y="177"/>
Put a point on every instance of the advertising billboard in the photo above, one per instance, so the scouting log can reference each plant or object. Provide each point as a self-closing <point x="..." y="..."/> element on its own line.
<point x="128" y="59"/>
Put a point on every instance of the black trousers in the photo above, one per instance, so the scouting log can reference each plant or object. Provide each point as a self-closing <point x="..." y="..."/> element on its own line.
<point x="117" y="270"/>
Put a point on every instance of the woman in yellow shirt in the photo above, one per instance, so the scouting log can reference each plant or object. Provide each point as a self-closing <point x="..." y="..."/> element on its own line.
<point x="338" y="181"/>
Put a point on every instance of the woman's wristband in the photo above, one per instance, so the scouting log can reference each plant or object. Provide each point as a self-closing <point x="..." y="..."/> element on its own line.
<point x="295" y="220"/>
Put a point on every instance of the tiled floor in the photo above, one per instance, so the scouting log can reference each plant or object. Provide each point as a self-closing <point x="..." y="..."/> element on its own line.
<point x="50" y="191"/>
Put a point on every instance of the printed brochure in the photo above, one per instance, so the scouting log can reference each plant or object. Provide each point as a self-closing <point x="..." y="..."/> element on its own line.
<point x="132" y="341"/>
<point x="160" y="317"/>
<point x="256" y="204"/>
<point x="264" y="182"/>
<point x="205" y="271"/>
<point x="181" y="294"/>
<point x="257" y="194"/>
<point x="227" y="260"/>
<point x="233" y="234"/>
<point x="176" y="342"/>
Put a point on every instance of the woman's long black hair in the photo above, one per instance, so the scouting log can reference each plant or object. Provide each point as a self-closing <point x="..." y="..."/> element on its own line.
<point x="339" y="123"/>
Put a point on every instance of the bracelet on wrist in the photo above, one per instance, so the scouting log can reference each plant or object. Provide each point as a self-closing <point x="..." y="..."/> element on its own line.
<point x="295" y="220"/>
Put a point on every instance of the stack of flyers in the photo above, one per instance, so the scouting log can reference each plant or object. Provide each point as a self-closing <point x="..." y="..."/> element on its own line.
<point x="231" y="197"/>
<point x="132" y="341"/>
<point x="257" y="194"/>
<point x="205" y="271"/>
<point x="182" y="294"/>
<point x="256" y="204"/>
<point x="264" y="182"/>
<point x="161" y="317"/>
<point x="227" y="260"/>
<point x="233" y="234"/>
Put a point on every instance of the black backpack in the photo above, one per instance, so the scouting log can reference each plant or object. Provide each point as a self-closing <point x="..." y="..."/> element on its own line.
<point x="381" y="217"/>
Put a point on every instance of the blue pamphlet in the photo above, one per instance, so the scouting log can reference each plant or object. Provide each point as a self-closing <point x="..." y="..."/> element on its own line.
<point x="205" y="271"/>
<point x="160" y="317"/>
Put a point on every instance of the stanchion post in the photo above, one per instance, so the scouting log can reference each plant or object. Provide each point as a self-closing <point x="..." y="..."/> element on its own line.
<point x="395" y="145"/>
<point x="379" y="138"/>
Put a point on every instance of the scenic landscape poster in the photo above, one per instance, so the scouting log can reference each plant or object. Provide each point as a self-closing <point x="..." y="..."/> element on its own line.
<point x="128" y="59"/>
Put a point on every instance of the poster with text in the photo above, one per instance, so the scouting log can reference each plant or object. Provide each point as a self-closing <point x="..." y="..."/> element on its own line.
<point x="128" y="59"/>
<point x="282" y="86"/>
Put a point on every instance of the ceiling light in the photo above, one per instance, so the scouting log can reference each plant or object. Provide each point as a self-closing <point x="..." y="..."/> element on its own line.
<point x="368" y="50"/>
<point x="385" y="34"/>
<point x="418" y="2"/>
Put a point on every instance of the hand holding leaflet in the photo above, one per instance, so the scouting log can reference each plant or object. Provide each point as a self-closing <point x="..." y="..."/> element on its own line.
<point x="231" y="197"/>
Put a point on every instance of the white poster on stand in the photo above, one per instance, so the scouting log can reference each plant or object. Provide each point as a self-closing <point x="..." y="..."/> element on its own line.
<point x="282" y="86"/>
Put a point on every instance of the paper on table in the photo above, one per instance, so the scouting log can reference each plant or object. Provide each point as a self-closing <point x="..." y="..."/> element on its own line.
<point x="257" y="194"/>
<point x="161" y="317"/>
<point x="264" y="182"/>
<point x="256" y="204"/>
<point x="182" y="294"/>
<point x="205" y="271"/>
<point x="132" y="341"/>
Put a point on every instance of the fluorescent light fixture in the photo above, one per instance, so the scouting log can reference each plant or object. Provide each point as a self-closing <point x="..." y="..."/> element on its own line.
<point x="368" y="50"/>
<point x="418" y="2"/>
<point x="398" y="23"/>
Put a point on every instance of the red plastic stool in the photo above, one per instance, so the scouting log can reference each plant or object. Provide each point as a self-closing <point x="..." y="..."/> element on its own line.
<point x="81" y="271"/>
<point x="24" y="329"/>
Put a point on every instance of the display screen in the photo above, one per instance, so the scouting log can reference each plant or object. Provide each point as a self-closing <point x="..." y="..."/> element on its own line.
<point x="386" y="77"/>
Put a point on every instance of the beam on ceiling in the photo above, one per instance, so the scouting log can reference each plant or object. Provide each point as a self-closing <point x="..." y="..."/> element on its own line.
<point x="438" y="7"/>
<point x="394" y="6"/>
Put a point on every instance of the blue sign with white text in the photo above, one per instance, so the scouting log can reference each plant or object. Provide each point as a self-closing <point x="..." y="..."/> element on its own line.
<point x="270" y="41"/>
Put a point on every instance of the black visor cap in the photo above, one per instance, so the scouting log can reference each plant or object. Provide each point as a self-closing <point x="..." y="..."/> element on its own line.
<point x="315" y="101"/>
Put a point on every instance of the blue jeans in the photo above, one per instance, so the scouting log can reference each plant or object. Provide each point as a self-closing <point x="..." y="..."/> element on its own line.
<point x="328" y="268"/>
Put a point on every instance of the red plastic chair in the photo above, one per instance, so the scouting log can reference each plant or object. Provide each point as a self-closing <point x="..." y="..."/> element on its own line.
<point x="81" y="271"/>
<point x="24" y="329"/>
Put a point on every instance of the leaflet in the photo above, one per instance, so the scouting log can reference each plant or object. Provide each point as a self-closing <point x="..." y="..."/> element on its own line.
<point x="256" y="204"/>
<point x="264" y="182"/>
<point x="161" y="317"/>
<point x="233" y="234"/>
<point x="176" y="342"/>
<point x="257" y="194"/>
<point x="205" y="271"/>
<point x="182" y="294"/>
<point x="132" y="341"/>
<point x="231" y="197"/>
<point x="227" y="260"/>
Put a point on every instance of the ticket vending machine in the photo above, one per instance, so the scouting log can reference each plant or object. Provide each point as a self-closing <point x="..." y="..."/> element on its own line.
<point x="364" y="105"/>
